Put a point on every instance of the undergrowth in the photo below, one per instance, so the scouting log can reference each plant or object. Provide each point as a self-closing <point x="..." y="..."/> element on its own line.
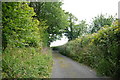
<point x="27" y="62"/>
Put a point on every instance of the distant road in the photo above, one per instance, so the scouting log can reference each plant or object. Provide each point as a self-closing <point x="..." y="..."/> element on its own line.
<point x="65" y="67"/>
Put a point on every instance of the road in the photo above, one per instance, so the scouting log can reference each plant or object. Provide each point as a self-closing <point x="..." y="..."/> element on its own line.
<point x="65" y="67"/>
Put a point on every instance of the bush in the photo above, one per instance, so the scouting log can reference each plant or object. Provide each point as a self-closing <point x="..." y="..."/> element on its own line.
<point x="20" y="28"/>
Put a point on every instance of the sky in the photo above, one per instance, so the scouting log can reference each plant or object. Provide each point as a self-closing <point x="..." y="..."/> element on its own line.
<point x="86" y="10"/>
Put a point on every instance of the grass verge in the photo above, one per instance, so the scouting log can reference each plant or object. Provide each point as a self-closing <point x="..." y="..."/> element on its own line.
<point x="27" y="62"/>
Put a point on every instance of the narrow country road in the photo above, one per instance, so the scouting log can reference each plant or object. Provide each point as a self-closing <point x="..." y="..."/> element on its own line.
<point x="64" y="67"/>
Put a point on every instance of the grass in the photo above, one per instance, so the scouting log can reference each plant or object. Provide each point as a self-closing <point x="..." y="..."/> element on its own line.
<point x="27" y="62"/>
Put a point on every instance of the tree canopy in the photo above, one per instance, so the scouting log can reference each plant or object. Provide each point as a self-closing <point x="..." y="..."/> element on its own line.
<point x="74" y="29"/>
<point x="55" y="18"/>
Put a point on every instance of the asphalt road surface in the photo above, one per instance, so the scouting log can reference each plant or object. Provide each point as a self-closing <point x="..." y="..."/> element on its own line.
<point x="65" y="67"/>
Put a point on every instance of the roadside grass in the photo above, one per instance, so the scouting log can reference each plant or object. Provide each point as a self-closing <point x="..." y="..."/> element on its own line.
<point x="27" y="62"/>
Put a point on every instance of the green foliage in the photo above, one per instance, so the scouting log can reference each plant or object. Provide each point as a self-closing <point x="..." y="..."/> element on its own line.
<point x="74" y="30"/>
<point x="19" y="28"/>
<point x="69" y="31"/>
<point x="43" y="33"/>
<point x="99" y="50"/>
<point x="26" y="63"/>
<point x="100" y="21"/>
<point x="23" y="41"/>
<point x="80" y="29"/>
<point x="55" y="18"/>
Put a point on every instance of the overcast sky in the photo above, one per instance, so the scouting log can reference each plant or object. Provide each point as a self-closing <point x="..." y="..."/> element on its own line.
<point x="86" y="10"/>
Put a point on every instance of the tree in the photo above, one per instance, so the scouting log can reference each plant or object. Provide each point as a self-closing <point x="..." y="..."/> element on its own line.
<point x="55" y="18"/>
<point x="69" y="29"/>
<point x="100" y="21"/>
<point x="80" y="29"/>
<point x="75" y="30"/>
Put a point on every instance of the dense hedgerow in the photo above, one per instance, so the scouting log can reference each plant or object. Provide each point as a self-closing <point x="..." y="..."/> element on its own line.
<point x="99" y="50"/>
<point x="19" y="27"/>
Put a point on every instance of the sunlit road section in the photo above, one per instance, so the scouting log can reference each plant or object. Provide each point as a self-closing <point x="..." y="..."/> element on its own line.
<point x="65" y="67"/>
